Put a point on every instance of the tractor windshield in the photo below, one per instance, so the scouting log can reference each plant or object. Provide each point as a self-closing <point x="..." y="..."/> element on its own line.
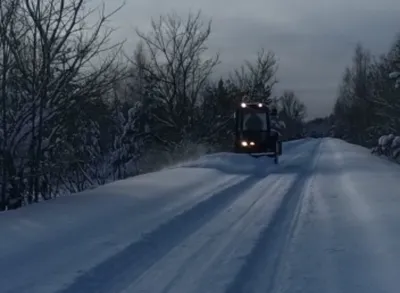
<point x="254" y="121"/>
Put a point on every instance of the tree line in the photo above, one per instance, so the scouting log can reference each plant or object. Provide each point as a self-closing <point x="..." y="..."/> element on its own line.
<point x="368" y="102"/>
<point x="78" y="111"/>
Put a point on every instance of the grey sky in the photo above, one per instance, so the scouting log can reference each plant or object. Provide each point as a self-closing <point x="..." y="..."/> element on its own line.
<point x="313" y="40"/>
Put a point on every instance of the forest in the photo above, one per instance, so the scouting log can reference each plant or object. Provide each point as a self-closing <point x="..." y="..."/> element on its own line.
<point x="78" y="110"/>
<point x="368" y="101"/>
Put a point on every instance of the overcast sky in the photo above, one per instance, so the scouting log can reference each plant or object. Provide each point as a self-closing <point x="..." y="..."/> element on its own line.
<point x="312" y="39"/>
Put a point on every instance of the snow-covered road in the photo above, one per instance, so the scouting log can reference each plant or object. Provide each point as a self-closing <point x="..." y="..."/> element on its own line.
<point x="325" y="220"/>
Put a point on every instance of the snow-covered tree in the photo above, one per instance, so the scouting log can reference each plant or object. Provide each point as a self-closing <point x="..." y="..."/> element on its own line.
<point x="368" y="104"/>
<point x="48" y="48"/>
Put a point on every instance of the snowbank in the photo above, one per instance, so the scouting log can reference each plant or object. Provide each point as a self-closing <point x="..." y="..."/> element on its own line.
<point x="241" y="163"/>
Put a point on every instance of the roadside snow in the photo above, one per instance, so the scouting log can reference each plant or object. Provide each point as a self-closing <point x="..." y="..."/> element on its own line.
<point x="46" y="245"/>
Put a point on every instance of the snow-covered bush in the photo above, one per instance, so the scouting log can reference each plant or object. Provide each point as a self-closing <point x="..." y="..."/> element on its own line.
<point x="396" y="147"/>
<point x="388" y="145"/>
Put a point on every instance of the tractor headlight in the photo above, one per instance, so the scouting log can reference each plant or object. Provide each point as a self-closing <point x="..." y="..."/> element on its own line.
<point x="260" y="105"/>
<point x="244" y="143"/>
<point x="252" y="143"/>
<point x="243" y="105"/>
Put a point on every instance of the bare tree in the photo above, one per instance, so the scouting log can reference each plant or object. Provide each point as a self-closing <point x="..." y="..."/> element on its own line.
<point x="138" y="71"/>
<point x="7" y="14"/>
<point x="292" y="112"/>
<point x="359" y="94"/>
<point x="394" y="57"/>
<point x="178" y="66"/>
<point x="291" y="106"/>
<point x="61" y="60"/>
<point x="257" y="78"/>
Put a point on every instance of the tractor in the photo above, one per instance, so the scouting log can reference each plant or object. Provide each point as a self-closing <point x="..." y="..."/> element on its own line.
<point x="255" y="131"/>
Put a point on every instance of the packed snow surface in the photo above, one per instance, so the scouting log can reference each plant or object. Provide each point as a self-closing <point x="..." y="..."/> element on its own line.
<point x="326" y="219"/>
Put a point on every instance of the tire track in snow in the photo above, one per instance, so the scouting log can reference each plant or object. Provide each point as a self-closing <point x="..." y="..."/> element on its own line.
<point x="200" y="263"/>
<point x="140" y="256"/>
<point x="263" y="263"/>
<point x="83" y="254"/>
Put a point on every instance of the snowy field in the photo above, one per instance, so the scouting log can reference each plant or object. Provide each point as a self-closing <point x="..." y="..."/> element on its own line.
<point x="326" y="219"/>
